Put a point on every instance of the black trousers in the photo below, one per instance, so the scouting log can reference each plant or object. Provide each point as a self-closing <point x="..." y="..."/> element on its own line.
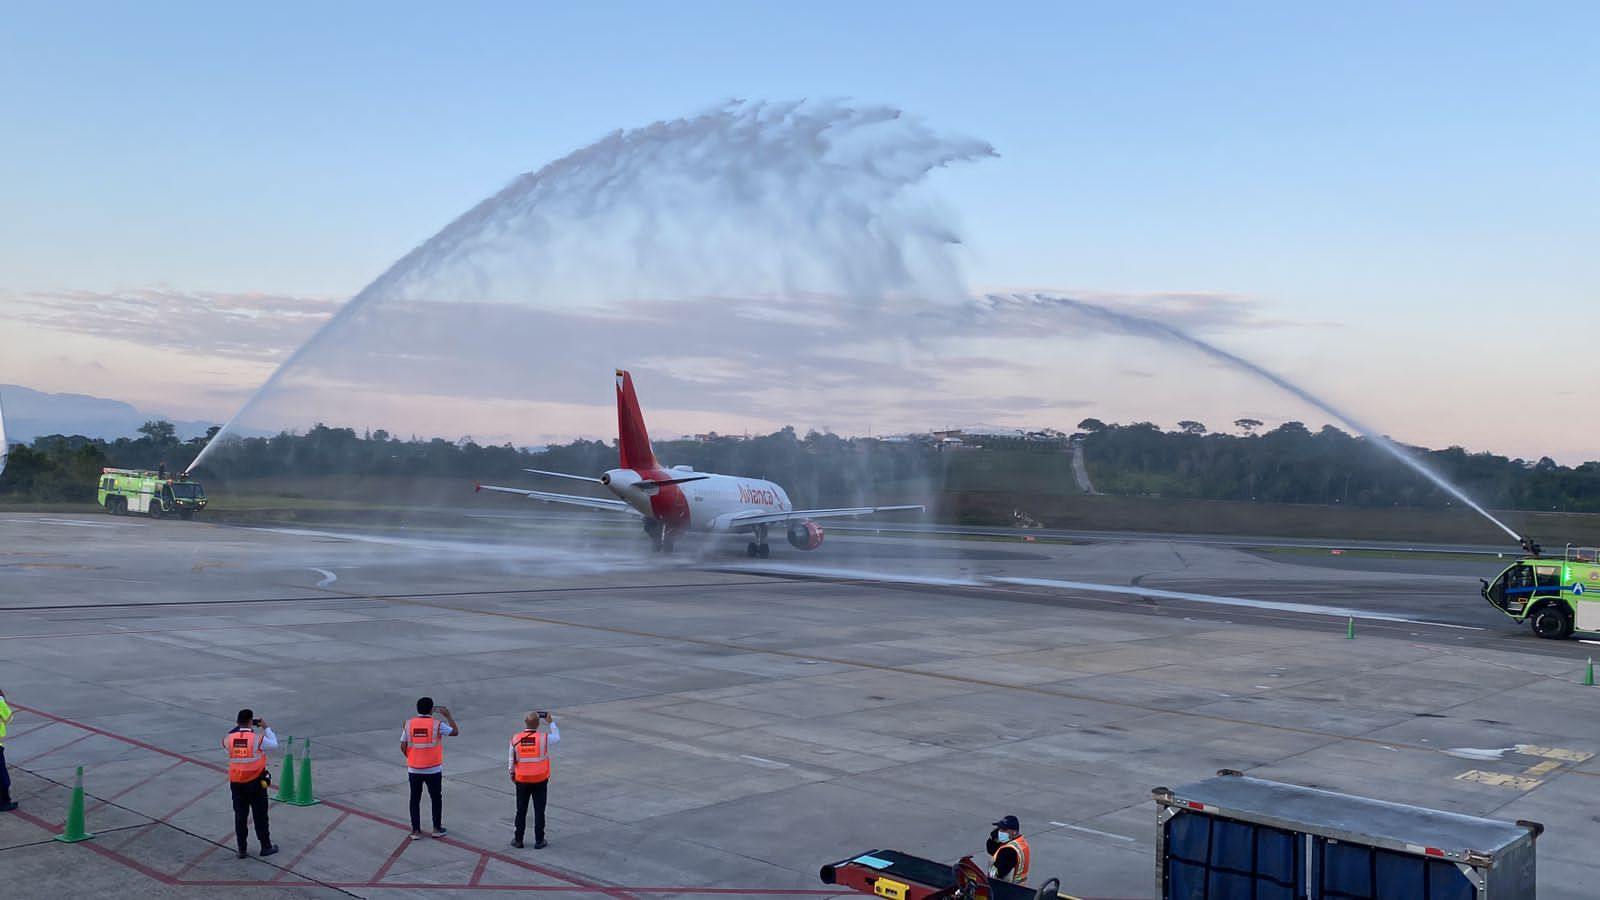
<point x="248" y="798"/>
<point x="5" y="779"/>
<point x="537" y="791"/>
<point x="435" y="783"/>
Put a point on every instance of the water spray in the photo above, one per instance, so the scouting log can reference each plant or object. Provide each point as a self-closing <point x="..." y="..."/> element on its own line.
<point x="763" y="200"/>
<point x="1141" y="326"/>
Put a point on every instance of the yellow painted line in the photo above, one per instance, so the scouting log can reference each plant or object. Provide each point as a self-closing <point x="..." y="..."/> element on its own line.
<point x="1498" y="780"/>
<point x="1572" y="756"/>
<point x="1544" y="768"/>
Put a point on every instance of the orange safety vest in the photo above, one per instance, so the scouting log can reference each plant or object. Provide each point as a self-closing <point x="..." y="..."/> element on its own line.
<point x="1019" y="875"/>
<point x="246" y="760"/>
<point x="426" y="748"/>
<point x="530" y="753"/>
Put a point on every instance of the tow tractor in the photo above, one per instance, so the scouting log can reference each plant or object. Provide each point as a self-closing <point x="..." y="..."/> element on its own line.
<point x="154" y="494"/>
<point x="900" y="876"/>
<point x="1555" y="596"/>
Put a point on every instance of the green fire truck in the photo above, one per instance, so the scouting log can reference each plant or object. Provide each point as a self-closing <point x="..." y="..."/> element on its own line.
<point x="1555" y="596"/>
<point x="153" y="494"/>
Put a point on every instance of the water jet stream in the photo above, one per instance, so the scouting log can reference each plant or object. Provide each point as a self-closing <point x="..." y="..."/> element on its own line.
<point x="1141" y="326"/>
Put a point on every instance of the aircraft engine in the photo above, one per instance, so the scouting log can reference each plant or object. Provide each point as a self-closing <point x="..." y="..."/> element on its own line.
<point x="805" y="535"/>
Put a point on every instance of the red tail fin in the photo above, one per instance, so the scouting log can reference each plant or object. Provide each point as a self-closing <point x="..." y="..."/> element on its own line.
<point x="633" y="440"/>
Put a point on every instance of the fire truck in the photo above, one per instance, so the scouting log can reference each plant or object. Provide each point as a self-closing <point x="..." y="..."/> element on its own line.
<point x="1555" y="595"/>
<point x="154" y="494"/>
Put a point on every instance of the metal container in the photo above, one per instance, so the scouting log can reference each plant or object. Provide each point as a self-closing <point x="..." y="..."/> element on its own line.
<point x="1233" y="837"/>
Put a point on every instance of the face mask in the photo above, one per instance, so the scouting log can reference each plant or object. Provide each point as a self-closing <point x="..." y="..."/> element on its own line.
<point x="1003" y="836"/>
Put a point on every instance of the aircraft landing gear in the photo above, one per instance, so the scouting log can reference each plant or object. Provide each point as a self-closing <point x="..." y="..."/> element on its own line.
<point x="758" y="547"/>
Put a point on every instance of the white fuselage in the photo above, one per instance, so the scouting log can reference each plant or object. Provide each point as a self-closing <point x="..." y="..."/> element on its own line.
<point x="708" y="503"/>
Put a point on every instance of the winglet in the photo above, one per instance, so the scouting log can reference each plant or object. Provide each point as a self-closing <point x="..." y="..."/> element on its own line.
<point x="633" y="440"/>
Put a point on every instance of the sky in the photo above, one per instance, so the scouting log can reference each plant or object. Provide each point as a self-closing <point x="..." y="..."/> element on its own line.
<point x="1383" y="202"/>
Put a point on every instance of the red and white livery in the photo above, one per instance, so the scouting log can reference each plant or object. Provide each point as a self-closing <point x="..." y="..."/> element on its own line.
<point x="679" y="500"/>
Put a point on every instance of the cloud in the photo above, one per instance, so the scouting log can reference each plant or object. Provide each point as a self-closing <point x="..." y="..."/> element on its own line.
<point x="254" y="326"/>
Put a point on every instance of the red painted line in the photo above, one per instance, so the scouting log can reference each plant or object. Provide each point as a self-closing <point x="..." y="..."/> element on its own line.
<point x="312" y="846"/>
<point x="192" y="864"/>
<point x="33" y="759"/>
<point x="196" y="799"/>
<point x="477" y="874"/>
<point x="393" y="858"/>
<point x="133" y="787"/>
<point x="126" y="740"/>
<point x="16" y="734"/>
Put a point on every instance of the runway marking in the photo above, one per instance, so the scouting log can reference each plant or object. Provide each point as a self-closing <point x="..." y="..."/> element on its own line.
<point x="1120" y="837"/>
<point x="763" y="762"/>
<point x="1093" y="586"/>
<point x="327" y="577"/>
<point x="1572" y="756"/>
<point x="1498" y="779"/>
<point x="1544" y="768"/>
<point x="1277" y="605"/>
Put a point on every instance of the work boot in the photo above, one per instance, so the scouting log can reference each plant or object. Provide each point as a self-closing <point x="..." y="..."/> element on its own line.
<point x="7" y="806"/>
<point x="269" y="850"/>
<point x="540" y="844"/>
<point x="243" y="854"/>
<point x="517" y="843"/>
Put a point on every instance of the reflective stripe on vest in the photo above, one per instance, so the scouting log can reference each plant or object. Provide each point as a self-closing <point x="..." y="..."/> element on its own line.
<point x="1019" y="875"/>
<point x="530" y="754"/>
<point x="426" y="749"/>
<point x="246" y="760"/>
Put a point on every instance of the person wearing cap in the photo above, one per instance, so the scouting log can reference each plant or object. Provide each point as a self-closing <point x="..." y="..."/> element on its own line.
<point x="1008" y="852"/>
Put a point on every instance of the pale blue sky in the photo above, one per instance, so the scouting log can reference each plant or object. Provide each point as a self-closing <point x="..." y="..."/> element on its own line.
<point x="1422" y="175"/>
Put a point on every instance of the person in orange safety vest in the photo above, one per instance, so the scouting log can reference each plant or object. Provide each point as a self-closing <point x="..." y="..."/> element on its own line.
<point x="248" y="778"/>
<point x="1008" y="852"/>
<point x="422" y="741"/>
<point x="529" y="763"/>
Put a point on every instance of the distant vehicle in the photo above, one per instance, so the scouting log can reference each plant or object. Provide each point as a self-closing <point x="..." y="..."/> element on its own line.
<point x="678" y="500"/>
<point x="1555" y="596"/>
<point x="149" y="493"/>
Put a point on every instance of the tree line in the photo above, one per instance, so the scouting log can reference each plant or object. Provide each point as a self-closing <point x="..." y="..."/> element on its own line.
<point x="1292" y="464"/>
<point x="1288" y="464"/>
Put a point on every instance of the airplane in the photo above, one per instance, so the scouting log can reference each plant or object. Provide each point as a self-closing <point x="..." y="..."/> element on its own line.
<point x="679" y="500"/>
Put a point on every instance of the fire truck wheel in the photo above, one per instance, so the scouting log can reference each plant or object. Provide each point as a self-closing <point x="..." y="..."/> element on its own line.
<point x="1551" y="621"/>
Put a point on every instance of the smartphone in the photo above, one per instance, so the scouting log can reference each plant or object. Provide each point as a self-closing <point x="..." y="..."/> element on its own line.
<point x="256" y="722"/>
<point x="543" y="714"/>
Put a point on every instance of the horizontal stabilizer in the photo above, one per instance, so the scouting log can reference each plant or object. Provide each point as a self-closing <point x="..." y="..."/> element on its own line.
<point x="567" y="499"/>
<point x="563" y="475"/>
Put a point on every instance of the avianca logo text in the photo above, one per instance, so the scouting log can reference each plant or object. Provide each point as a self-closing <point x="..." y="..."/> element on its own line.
<point x="758" y="496"/>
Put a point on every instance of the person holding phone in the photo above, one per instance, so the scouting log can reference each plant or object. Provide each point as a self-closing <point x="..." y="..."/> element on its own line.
<point x="529" y="763"/>
<point x="422" y="742"/>
<point x="248" y="778"/>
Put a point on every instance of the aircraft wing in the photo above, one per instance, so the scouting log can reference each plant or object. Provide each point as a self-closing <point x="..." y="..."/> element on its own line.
<point x="755" y="518"/>
<point x="568" y="499"/>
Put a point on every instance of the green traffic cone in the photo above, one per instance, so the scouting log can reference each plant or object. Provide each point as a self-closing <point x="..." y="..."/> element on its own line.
<point x="303" y="788"/>
<point x="74" y="832"/>
<point x="1350" y="629"/>
<point x="286" y="791"/>
<point x="1588" y="675"/>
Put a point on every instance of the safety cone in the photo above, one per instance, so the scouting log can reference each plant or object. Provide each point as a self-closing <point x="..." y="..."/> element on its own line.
<point x="1350" y="628"/>
<point x="74" y="832"/>
<point x="286" y="792"/>
<point x="1588" y="675"/>
<point x="302" y="795"/>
